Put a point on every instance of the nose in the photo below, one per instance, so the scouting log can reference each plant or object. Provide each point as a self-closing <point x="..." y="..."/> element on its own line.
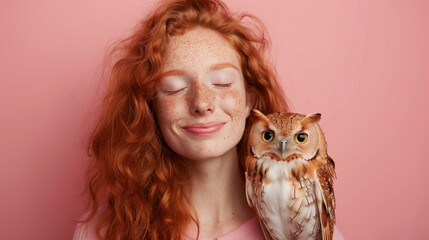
<point x="202" y="100"/>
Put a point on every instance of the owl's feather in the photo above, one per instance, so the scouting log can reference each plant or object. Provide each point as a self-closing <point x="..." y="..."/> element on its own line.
<point x="325" y="192"/>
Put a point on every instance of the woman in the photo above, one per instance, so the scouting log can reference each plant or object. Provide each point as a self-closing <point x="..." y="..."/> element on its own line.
<point x="167" y="147"/>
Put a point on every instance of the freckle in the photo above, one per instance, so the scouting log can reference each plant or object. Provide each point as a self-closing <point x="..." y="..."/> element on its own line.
<point x="199" y="149"/>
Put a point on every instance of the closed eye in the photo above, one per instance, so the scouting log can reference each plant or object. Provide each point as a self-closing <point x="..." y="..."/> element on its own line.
<point x="173" y="84"/>
<point x="175" y="91"/>
<point x="223" y="78"/>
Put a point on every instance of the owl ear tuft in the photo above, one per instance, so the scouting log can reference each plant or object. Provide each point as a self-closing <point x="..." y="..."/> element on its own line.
<point x="257" y="115"/>
<point x="312" y="117"/>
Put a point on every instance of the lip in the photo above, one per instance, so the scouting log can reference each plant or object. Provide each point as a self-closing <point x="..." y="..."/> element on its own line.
<point x="204" y="129"/>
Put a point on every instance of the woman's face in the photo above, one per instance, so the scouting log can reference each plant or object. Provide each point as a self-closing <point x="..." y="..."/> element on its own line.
<point x="201" y="103"/>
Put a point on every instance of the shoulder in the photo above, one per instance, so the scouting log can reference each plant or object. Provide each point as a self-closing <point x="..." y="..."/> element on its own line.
<point x="86" y="231"/>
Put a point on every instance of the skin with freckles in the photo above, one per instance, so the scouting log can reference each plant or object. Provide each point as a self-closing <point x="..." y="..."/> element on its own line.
<point x="201" y="103"/>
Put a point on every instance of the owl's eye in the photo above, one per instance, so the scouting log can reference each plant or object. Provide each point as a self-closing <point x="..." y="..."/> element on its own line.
<point x="301" y="137"/>
<point x="267" y="136"/>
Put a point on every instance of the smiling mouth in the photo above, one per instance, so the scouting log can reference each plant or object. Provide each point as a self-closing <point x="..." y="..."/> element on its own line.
<point x="204" y="129"/>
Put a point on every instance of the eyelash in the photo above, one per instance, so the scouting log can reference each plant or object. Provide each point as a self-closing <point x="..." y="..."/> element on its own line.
<point x="223" y="85"/>
<point x="217" y="85"/>
<point x="176" y="91"/>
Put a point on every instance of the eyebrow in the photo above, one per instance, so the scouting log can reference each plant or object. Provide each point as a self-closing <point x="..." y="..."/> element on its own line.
<point x="174" y="72"/>
<point x="178" y="72"/>
<point x="222" y="66"/>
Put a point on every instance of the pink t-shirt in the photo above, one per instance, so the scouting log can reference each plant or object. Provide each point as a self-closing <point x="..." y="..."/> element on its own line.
<point x="250" y="230"/>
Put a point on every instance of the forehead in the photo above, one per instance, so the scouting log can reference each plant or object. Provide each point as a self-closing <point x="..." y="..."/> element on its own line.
<point x="199" y="48"/>
<point x="285" y="123"/>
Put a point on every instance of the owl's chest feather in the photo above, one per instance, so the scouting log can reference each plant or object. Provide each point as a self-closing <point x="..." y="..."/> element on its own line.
<point x="282" y="191"/>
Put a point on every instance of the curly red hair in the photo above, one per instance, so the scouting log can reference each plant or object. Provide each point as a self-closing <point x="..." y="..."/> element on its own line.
<point x="137" y="179"/>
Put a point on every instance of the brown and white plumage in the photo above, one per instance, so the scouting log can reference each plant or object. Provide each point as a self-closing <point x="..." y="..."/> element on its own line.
<point x="289" y="176"/>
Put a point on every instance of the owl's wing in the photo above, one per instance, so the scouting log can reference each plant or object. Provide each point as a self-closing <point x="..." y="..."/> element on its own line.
<point x="325" y="198"/>
<point x="249" y="190"/>
<point x="250" y="195"/>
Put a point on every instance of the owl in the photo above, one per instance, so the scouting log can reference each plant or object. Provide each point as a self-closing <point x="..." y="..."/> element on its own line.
<point x="289" y="176"/>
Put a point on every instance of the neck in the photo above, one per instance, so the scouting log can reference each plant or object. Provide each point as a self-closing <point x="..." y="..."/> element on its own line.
<point x="218" y="194"/>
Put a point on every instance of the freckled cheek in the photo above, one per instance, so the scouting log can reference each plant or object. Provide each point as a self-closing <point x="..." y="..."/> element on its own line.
<point x="234" y="103"/>
<point x="168" y="110"/>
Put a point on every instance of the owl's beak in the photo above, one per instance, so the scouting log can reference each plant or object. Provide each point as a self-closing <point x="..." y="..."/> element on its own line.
<point x="283" y="148"/>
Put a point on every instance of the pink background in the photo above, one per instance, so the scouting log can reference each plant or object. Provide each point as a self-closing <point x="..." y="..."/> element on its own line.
<point x="363" y="64"/>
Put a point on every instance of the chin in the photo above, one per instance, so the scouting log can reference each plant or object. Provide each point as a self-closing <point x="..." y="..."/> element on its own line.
<point x="201" y="153"/>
